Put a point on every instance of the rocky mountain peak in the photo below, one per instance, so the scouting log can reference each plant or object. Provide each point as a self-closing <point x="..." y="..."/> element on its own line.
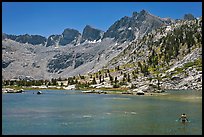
<point x="143" y="12"/>
<point x="69" y="36"/>
<point x="134" y="14"/>
<point x="130" y="28"/>
<point x="53" y="40"/>
<point x="26" y="38"/>
<point x="91" y="34"/>
<point x="188" y="17"/>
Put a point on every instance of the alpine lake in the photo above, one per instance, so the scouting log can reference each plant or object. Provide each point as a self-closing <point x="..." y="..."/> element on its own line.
<point x="71" y="112"/>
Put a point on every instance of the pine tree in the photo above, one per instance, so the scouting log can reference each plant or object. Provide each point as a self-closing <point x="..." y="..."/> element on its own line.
<point x="94" y="80"/>
<point x="111" y="78"/>
<point x="128" y="77"/>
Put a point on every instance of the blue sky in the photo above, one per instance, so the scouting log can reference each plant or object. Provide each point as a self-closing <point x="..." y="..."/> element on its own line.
<point x="47" y="18"/>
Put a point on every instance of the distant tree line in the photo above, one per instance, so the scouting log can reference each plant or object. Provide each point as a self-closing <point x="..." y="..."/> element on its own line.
<point x="52" y="82"/>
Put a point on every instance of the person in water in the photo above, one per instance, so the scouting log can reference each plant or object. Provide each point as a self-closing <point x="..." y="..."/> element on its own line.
<point x="183" y="118"/>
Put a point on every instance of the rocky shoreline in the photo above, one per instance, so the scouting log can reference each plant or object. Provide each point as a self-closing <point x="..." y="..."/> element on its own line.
<point x="10" y="90"/>
<point x="137" y="92"/>
<point x="128" y="92"/>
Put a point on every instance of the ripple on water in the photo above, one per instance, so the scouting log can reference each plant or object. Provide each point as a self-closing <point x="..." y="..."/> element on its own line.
<point x="64" y="124"/>
<point x="87" y="116"/>
<point x="118" y="98"/>
<point x="132" y="112"/>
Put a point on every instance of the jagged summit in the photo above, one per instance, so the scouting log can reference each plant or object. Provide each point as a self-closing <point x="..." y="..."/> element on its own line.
<point x="142" y="12"/>
<point x="26" y="38"/>
<point x="125" y="29"/>
<point x="69" y="36"/>
<point x="130" y="28"/>
<point x="188" y="17"/>
<point x="91" y="34"/>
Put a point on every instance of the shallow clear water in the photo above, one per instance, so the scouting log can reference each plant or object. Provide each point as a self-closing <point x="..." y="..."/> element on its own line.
<point x="58" y="112"/>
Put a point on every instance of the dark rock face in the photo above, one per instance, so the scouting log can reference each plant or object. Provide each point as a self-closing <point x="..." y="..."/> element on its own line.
<point x="4" y="36"/>
<point x="35" y="65"/>
<point x="69" y="36"/>
<point x="78" y="62"/>
<point x="91" y="34"/>
<point x="52" y="40"/>
<point x="59" y="61"/>
<point x="82" y="58"/>
<point x="115" y="32"/>
<point x="31" y="39"/>
<point x="12" y="37"/>
<point x="188" y="17"/>
<point x="128" y="28"/>
<point x="5" y="64"/>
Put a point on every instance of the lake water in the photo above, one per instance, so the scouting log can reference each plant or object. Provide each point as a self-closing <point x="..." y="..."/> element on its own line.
<point x="59" y="112"/>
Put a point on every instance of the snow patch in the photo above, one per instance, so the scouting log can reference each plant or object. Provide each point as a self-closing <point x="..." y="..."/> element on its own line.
<point x="92" y="41"/>
<point x="99" y="40"/>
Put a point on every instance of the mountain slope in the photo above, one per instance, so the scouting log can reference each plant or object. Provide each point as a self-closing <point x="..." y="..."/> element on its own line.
<point x="172" y="54"/>
<point x="72" y="53"/>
